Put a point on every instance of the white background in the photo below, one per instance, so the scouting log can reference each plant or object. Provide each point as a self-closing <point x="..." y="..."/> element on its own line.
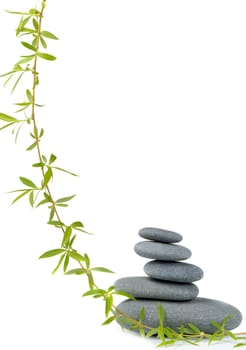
<point x="147" y="103"/>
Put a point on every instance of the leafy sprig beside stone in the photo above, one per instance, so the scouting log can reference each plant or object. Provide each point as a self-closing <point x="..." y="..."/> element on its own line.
<point x="34" y="41"/>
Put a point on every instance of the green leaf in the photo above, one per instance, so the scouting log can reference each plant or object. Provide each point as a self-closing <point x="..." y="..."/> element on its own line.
<point x="194" y="329"/>
<point x="35" y="24"/>
<point x="27" y="182"/>
<point x="47" y="177"/>
<point x="59" y="264"/>
<point x="161" y="314"/>
<point x="51" y="253"/>
<point x="29" y="95"/>
<point x="65" y="171"/>
<point x="52" y="213"/>
<point x="32" y="146"/>
<point x="109" y="320"/>
<point x="44" y="159"/>
<point x="76" y="256"/>
<point x="66" y="262"/>
<point x="78" y="271"/>
<point x="124" y="294"/>
<point x="26" y="59"/>
<point x="231" y="335"/>
<point x="43" y="42"/>
<point x="67" y="236"/>
<point x="46" y="56"/>
<point x="216" y="325"/>
<point x="52" y="159"/>
<point x="42" y="202"/>
<point x="141" y="332"/>
<point x="72" y="241"/>
<point x="97" y="291"/>
<point x="49" y="35"/>
<point x="7" y="118"/>
<point x="214" y="337"/>
<point x="226" y="319"/>
<point x="239" y="345"/>
<point x="28" y="46"/>
<point x="20" y="196"/>
<point x="6" y="126"/>
<point x="152" y="332"/>
<point x="87" y="261"/>
<point x="102" y="269"/>
<point x="56" y="223"/>
<point x="31" y="198"/>
<point x="65" y="199"/>
<point x="17" y="82"/>
<point x="34" y="12"/>
<point x="17" y="13"/>
<point x="142" y="314"/>
<point x="108" y="304"/>
<point x="77" y="224"/>
<point x="23" y="21"/>
<point x="38" y="165"/>
<point x="168" y="342"/>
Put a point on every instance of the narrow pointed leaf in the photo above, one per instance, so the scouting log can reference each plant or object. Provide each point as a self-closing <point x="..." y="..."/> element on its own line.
<point x="59" y="264"/>
<point x="29" y="95"/>
<point x="78" y="271"/>
<point x="20" y="196"/>
<point x="31" y="198"/>
<point x="35" y="24"/>
<point x="97" y="291"/>
<point x="77" y="224"/>
<point x="52" y="158"/>
<point x="28" y="46"/>
<point x="76" y="256"/>
<point x="65" y="171"/>
<point x="43" y="42"/>
<point x="7" y="118"/>
<point x="27" y="182"/>
<point x="124" y="294"/>
<point x="108" y="304"/>
<point x="47" y="177"/>
<point x="46" y="56"/>
<point x="109" y="320"/>
<point x="49" y="35"/>
<point x="42" y="202"/>
<point x="6" y="126"/>
<point x="25" y="59"/>
<point x="65" y="199"/>
<point x="32" y="146"/>
<point x="51" y="253"/>
<point x="102" y="269"/>
<point x="161" y="314"/>
<point x="66" y="262"/>
<point x="195" y="329"/>
<point x="67" y="236"/>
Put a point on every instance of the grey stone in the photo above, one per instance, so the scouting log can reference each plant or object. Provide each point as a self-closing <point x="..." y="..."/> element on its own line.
<point x="173" y="271"/>
<point x="148" y="288"/>
<point x="199" y="311"/>
<point x="160" y="235"/>
<point x="162" y="251"/>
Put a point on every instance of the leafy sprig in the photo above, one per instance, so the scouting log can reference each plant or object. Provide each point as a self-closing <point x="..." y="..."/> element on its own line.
<point x="34" y="40"/>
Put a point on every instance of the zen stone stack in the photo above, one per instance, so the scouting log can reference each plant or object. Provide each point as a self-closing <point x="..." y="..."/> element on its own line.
<point x="170" y="282"/>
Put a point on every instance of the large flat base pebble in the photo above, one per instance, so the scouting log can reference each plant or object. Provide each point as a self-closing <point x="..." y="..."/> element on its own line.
<point x="199" y="312"/>
<point x="173" y="271"/>
<point x="162" y="251"/>
<point x="160" y="235"/>
<point x="148" y="288"/>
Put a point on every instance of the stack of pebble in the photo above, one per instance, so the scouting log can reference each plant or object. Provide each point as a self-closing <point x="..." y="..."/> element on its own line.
<point x="169" y="282"/>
